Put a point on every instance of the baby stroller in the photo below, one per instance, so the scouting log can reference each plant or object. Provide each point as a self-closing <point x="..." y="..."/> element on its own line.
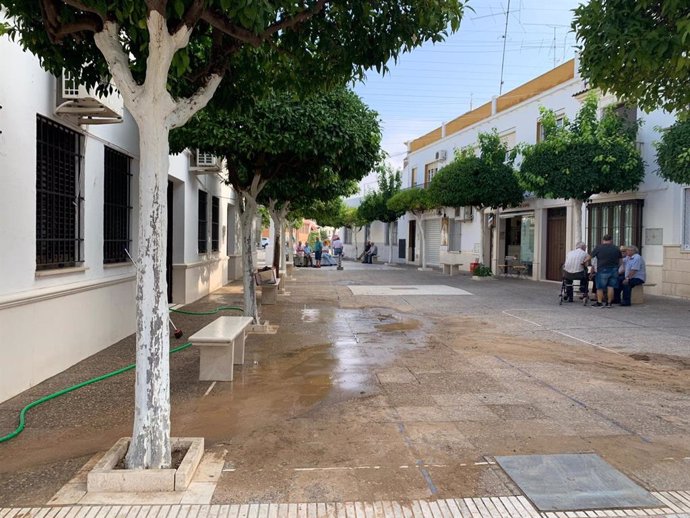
<point x="568" y="285"/>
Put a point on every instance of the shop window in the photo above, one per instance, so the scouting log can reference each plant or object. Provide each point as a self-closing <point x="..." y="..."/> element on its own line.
<point x="622" y="220"/>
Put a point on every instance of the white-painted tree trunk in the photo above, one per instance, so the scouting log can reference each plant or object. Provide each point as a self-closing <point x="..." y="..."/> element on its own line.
<point x="156" y="113"/>
<point x="577" y="222"/>
<point x="248" y="207"/>
<point x="422" y="239"/>
<point x="482" y="231"/>
<point x="291" y="251"/>
<point x="390" y="243"/>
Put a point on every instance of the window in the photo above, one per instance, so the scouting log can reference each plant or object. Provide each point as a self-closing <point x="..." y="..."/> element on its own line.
<point x="560" y="121"/>
<point x="215" y="223"/>
<point x="429" y="172"/>
<point x="686" y="220"/>
<point x="387" y="231"/>
<point x="413" y="177"/>
<point x="394" y="233"/>
<point x="116" y="207"/>
<point x="454" y="235"/>
<point x="622" y="220"/>
<point x="347" y="236"/>
<point x="58" y="195"/>
<point x="202" y="245"/>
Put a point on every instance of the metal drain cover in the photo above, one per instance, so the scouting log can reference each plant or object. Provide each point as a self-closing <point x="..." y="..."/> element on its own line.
<point x="574" y="482"/>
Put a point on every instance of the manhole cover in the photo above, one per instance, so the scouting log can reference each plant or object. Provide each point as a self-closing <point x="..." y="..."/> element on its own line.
<point x="574" y="482"/>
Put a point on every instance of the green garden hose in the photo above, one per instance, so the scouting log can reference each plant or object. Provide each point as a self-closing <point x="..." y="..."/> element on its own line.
<point x="22" y="413"/>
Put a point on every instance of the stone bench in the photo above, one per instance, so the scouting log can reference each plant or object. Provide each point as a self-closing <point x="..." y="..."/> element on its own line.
<point x="637" y="293"/>
<point x="269" y="292"/>
<point x="221" y="345"/>
<point x="448" y="268"/>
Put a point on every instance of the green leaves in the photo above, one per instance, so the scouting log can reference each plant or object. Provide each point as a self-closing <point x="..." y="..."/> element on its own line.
<point x="415" y="200"/>
<point x="374" y="205"/>
<point x="584" y="157"/>
<point x="478" y="181"/>
<point x="637" y="50"/>
<point x="673" y="153"/>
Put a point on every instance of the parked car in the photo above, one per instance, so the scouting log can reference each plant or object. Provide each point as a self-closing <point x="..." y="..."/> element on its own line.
<point x="264" y="242"/>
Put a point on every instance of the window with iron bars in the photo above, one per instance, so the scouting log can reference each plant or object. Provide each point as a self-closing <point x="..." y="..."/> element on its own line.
<point x="202" y="246"/>
<point x="116" y="206"/>
<point x="215" y="223"/>
<point x="621" y="220"/>
<point x="58" y="195"/>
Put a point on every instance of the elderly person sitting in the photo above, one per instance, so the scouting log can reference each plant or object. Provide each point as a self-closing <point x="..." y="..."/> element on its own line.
<point x="635" y="274"/>
<point x="574" y="270"/>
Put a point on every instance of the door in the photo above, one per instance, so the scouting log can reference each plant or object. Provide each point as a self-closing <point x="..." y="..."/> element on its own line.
<point x="412" y="238"/>
<point x="432" y="241"/>
<point x="555" y="243"/>
<point x="169" y="251"/>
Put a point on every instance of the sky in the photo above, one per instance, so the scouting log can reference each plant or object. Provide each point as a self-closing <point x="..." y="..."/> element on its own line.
<point x="436" y="83"/>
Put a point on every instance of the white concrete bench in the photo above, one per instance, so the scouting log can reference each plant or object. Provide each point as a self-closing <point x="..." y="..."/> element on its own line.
<point x="269" y="292"/>
<point x="448" y="268"/>
<point x="221" y="345"/>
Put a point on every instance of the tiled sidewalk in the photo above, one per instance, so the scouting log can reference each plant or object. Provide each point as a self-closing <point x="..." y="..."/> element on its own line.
<point x="677" y="505"/>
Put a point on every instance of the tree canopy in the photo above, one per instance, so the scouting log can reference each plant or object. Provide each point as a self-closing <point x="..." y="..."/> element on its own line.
<point x="415" y="200"/>
<point x="309" y="43"/>
<point x="374" y="205"/>
<point x="584" y="157"/>
<point x="479" y="181"/>
<point x="673" y="153"/>
<point x="637" y="50"/>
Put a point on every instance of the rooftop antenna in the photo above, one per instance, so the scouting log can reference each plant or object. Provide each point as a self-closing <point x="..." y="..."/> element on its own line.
<point x="503" y="58"/>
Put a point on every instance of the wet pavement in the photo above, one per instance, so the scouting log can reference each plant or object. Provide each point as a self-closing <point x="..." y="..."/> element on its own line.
<point x="392" y="395"/>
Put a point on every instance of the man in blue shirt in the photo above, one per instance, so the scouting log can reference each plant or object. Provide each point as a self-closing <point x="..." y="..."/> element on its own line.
<point x="635" y="274"/>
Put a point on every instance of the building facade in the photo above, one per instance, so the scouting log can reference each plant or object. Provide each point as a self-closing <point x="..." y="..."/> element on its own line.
<point x="69" y="167"/>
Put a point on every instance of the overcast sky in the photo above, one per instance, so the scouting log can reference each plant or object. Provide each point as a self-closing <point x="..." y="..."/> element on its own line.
<point x="436" y="83"/>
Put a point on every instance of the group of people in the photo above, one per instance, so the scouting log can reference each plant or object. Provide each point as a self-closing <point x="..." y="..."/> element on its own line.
<point x="614" y="269"/>
<point x="320" y="251"/>
<point x="370" y="251"/>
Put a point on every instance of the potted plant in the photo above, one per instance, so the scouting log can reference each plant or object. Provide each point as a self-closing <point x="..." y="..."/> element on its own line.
<point x="482" y="273"/>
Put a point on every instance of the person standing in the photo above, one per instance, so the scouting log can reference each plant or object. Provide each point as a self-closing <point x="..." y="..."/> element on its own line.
<point x="635" y="274"/>
<point x="608" y="258"/>
<point x="574" y="270"/>
<point x="337" y="245"/>
<point x="318" y="250"/>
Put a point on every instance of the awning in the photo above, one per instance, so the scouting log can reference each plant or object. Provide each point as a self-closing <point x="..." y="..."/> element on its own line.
<point x="506" y="215"/>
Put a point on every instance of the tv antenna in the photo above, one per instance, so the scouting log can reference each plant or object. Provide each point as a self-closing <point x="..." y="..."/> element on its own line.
<point x="503" y="57"/>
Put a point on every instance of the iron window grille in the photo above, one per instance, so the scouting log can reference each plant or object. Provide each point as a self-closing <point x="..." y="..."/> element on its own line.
<point x="116" y="206"/>
<point x="621" y="220"/>
<point x="202" y="246"/>
<point x="59" y="201"/>
<point x="215" y="223"/>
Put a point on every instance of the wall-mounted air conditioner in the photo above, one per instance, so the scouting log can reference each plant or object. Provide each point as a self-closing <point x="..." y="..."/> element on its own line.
<point x="206" y="162"/>
<point x="441" y="155"/>
<point x="84" y="105"/>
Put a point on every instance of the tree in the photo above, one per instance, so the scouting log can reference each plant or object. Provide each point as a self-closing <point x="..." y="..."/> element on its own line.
<point x="374" y="205"/>
<point x="352" y="220"/>
<point x="637" y="50"/>
<point x="584" y="157"/>
<point x="286" y="152"/>
<point x="417" y="201"/>
<point x="673" y="153"/>
<point x="483" y="181"/>
<point x="167" y="59"/>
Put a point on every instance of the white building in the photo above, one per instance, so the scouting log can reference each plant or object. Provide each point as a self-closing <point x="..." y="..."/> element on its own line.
<point x="538" y="234"/>
<point x="69" y="164"/>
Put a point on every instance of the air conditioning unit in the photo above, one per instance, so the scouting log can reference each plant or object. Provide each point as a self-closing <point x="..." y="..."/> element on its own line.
<point x="206" y="162"/>
<point x="84" y="105"/>
<point x="441" y="155"/>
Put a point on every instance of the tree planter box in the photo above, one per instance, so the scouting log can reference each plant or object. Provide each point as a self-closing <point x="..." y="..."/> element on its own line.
<point x="476" y="278"/>
<point x="106" y="478"/>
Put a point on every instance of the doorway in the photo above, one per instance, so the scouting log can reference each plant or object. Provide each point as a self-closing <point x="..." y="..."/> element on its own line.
<point x="555" y="243"/>
<point x="412" y="240"/>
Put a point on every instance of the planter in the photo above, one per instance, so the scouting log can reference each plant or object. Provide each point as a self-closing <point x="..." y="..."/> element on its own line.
<point x="107" y="478"/>
<point x="490" y="278"/>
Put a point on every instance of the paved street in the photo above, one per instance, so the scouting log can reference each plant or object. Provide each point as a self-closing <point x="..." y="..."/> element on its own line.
<point x="393" y="397"/>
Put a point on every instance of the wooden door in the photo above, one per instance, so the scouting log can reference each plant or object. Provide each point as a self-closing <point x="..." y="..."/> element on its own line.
<point x="555" y="243"/>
